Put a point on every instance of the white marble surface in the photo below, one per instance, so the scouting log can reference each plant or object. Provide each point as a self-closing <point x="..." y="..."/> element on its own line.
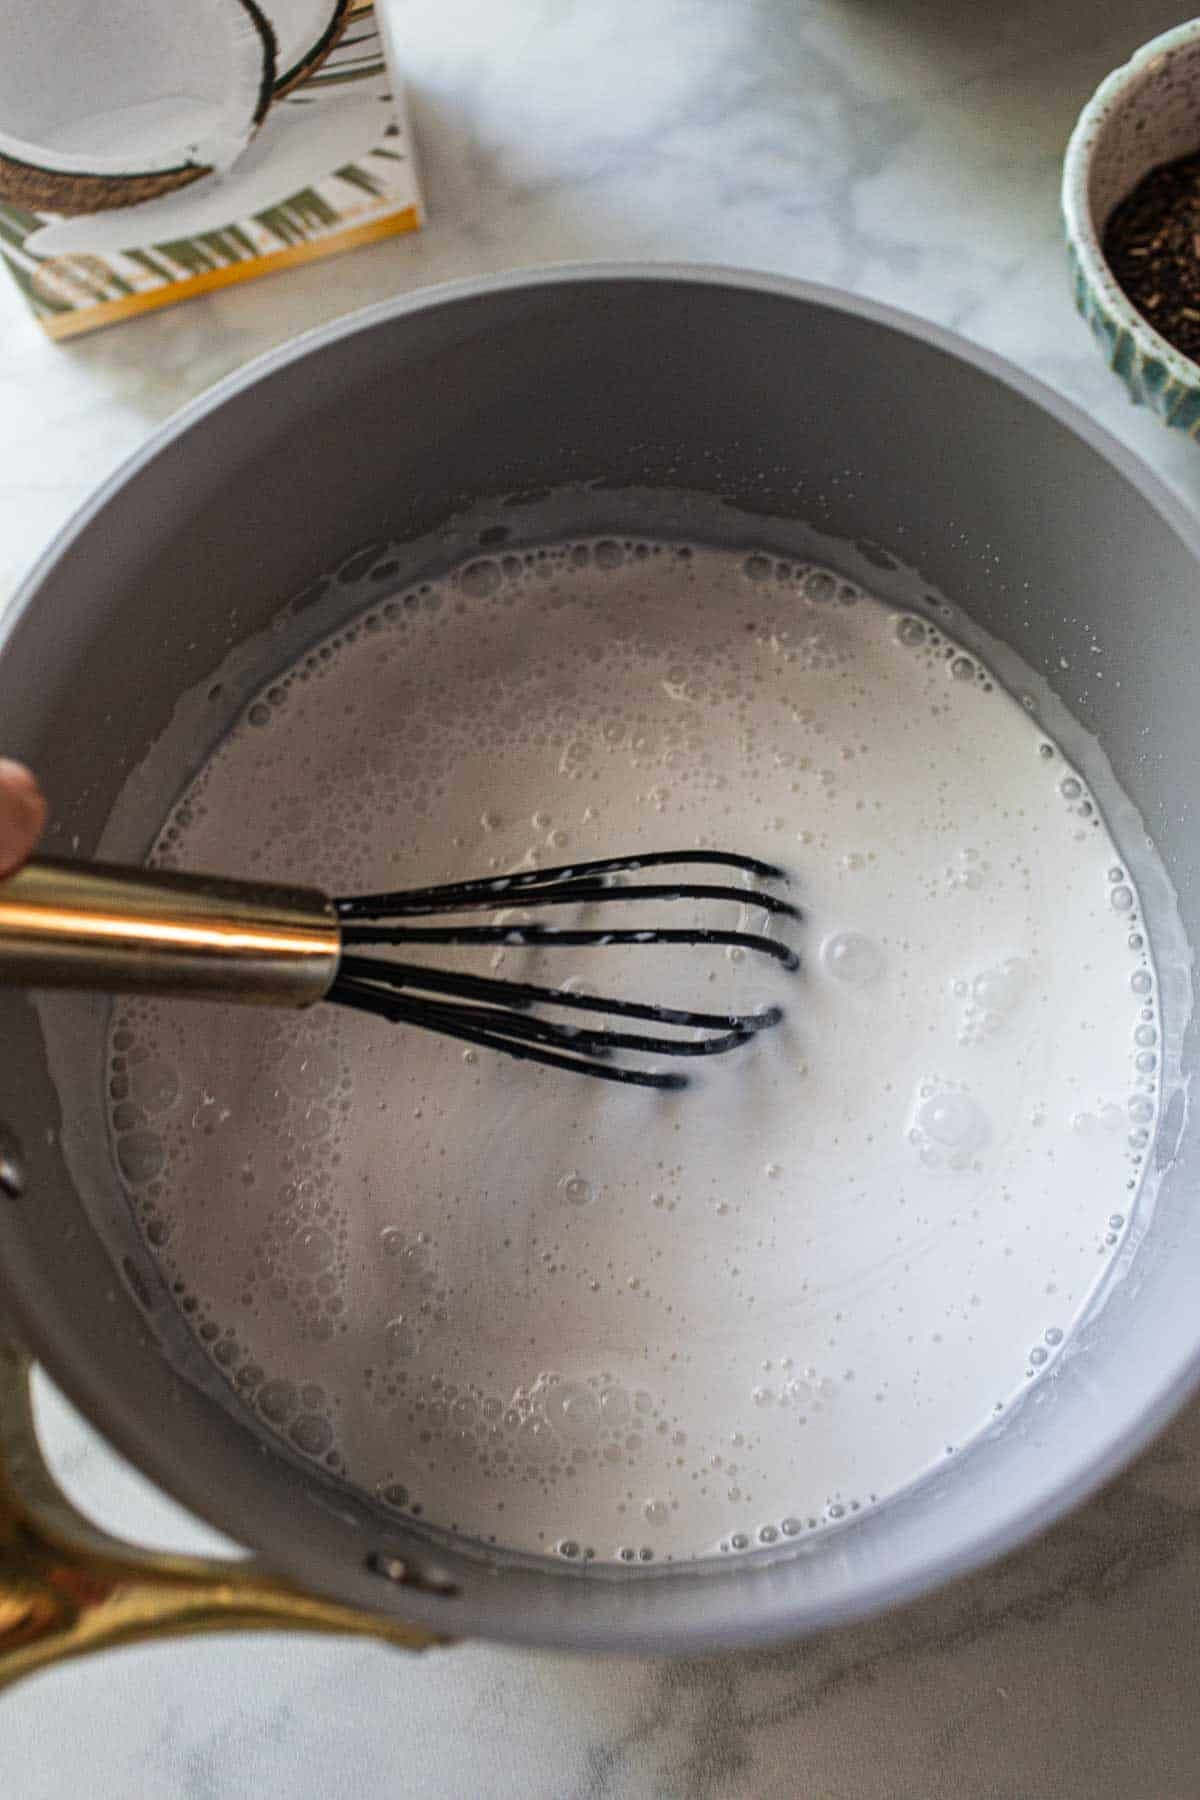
<point x="908" y="149"/>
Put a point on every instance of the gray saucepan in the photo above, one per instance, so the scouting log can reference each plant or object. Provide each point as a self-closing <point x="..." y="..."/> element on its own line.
<point x="801" y="409"/>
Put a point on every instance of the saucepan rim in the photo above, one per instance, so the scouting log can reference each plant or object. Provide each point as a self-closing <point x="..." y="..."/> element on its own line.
<point x="739" y="1624"/>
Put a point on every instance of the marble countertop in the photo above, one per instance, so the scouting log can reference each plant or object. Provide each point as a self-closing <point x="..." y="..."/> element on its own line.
<point x="908" y="149"/>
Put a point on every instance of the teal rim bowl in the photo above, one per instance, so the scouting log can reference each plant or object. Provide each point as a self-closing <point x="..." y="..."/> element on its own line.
<point x="1147" y="112"/>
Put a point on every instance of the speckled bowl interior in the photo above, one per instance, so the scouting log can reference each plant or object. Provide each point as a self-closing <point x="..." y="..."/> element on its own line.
<point x="1145" y="113"/>
<point x="1153" y="118"/>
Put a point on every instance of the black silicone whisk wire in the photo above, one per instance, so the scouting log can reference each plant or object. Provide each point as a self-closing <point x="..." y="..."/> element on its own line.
<point x="509" y="1015"/>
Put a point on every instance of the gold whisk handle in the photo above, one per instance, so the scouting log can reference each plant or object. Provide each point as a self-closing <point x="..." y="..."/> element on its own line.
<point x="123" y="931"/>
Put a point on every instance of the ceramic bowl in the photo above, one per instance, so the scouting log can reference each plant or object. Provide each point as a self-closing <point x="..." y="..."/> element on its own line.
<point x="1145" y="113"/>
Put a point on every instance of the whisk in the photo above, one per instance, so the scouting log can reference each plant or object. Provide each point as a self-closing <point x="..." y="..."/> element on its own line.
<point x="160" y="932"/>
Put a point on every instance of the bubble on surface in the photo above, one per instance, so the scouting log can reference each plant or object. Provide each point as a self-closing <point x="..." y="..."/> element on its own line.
<point x="911" y="632"/>
<point x="991" y="998"/>
<point x="141" y="1155"/>
<point x="1000" y="990"/>
<point x="853" y="958"/>
<point x="312" y="1249"/>
<point x="615" y="1406"/>
<point x="312" y="1433"/>
<point x="573" y="1411"/>
<point x="481" y="579"/>
<point x="154" y="1086"/>
<point x="277" y="1401"/>
<point x="949" y="1126"/>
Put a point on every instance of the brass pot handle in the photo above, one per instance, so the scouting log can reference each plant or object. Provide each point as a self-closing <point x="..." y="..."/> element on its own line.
<point x="67" y="1587"/>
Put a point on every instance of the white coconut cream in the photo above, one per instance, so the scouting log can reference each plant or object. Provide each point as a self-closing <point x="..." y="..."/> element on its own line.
<point x="571" y="1318"/>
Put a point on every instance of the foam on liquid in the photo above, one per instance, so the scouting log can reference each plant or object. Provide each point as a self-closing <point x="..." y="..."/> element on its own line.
<point x="567" y="1317"/>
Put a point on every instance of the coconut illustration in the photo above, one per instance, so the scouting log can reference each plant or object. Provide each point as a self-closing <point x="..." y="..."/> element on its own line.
<point x="305" y="32"/>
<point x="297" y="146"/>
<point x="110" y="105"/>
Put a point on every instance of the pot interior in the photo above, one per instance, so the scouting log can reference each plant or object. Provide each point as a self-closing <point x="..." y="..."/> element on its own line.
<point x="685" y="405"/>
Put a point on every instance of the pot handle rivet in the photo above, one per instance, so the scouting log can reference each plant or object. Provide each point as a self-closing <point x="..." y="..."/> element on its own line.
<point x="405" y="1574"/>
<point x="12" y="1169"/>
